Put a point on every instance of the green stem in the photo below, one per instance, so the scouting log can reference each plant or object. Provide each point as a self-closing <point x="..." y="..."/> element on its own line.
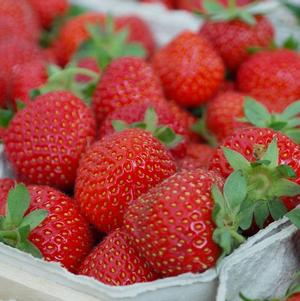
<point x="239" y="238"/>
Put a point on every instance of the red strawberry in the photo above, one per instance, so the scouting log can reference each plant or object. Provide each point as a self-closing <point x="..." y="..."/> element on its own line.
<point x="115" y="262"/>
<point x="56" y="229"/>
<point x="73" y="34"/>
<point x="223" y="112"/>
<point x="9" y="27"/>
<point x="23" y="16"/>
<point x="192" y="5"/>
<point x="252" y="143"/>
<point x="3" y="92"/>
<point x="115" y="171"/>
<point x="48" y="11"/>
<point x="233" y="39"/>
<point x="295" y="297"/>
<point x="197" y="156"/>
<point x="25" y="78"/>
<point x="45" y="140"/>
<point x="87" y="63"/>
<point x="5" y="185"/>
<point x="273" y="76"/>
<point x="139" y="32"/>
<point x="16" y="51"/>
<point x="190" y="70"/>
<point x="172" y="226"/>
<point x="126" y="80"/>
<point x="167" y="3"/>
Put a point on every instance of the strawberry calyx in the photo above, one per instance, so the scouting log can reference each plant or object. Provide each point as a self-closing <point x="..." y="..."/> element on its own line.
<point x="215" y="12"/>
<point x="16" y="225"/>
<point x="252" y="192"/>
<point x="106" y="44"/>
<point x="200" y="128"/>
<point x="163" y="133"/>
<point x="65" y="79"/>
<point x="286" y="122"/>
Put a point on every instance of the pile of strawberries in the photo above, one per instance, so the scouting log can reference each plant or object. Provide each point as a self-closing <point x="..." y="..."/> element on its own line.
<point x="134" y="163"/>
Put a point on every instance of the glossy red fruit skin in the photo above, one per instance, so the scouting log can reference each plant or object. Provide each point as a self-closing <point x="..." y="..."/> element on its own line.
<point x="233" y="39"/>
<point x="197" y="156"/>
<point x="295" y="297"/>
<point x="126" y="80"/>
<point x="3" y="92"/>
<point x="115" y="262"/>
<point x="64" y="236"/>
<point x="244" y="140"/>
<point x="47" y="11"/>
<point x="25" y="78"/>
<point x="5" y="185"/>
<point x="135" y="112"/>
<point x="222" y="114"/>
<point x="190" y="70"/>
<point x="272" y="76"/>
<point x="73" y="34"/>
<point x="139" y="32"/>
<point x="115" y="171"/>
<point x="171" y="225"/>
<point x="167" y="3"/>
<point x="23" y="16"/>
<point x="45" y="140"/>
<point x="16" y="51"/>
<point x="87" y="63"/>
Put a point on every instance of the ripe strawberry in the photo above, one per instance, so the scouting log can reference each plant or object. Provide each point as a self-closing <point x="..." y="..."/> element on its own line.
<point x="115" y="262"/>
<point x="45" y="140"/>
<point x="5" y="185"/>
<point x="3" y="92"/>
<point x="272" y="76"/>
<point x="9" y="27"/>
<point x="167" y="3"/>
<point x="252" y="143"/>
<point x="48" y="11"/>
<point x="295" y="297"/>
<point x="22" y="15"/>
<point x="190" y="70"/>
<point x="16" y="51"/>
<point x="223" y="112"/>
<point x="171" y="225"/>
<point x="25" y="78"/>
<point x="115" y="171"/>
<point x="126" y="80"/>
<point x="192" y="5"/>
<point x="50" y="223"/>
<point x="197" y="156"/>
<point x="73" y="34"/>
<point x="233" y="39"/>
<point x="139" y="32"/>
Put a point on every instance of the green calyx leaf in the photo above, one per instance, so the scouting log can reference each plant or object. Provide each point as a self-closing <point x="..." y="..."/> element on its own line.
<point x="65" y="79"/>
<point x="200" y="128"/>
<point x="5" y="117"/>
<point x="286" y="122"/>
<point x="226" y="212"/>
<point x="291" y="43"/>
<point x="106" y="43"/>
<point x="151" y="123"/>
<point x="294" y="217"/>
<point x="15" y="226"/>
<point x="214" y="11"/>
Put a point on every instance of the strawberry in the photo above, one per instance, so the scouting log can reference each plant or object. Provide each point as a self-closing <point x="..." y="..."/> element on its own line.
<point x="5" y="185"/>
<point x="272" y="76"/>
<point x="222" y="114"/>
<point x="73" y="34"/>
<point x="25" y="78"/>
<point x="171" y="225"/>
<point x="267" y="169"/>
<point x="23" y="16"/>
<point x="192" y="5"/>
<point x="3" y="92"/>
<point x="233" y="34"/>
<point x="45" y="140"/>
<point x="115" y="262"/>
<point x="87" y="63"/>
<point x="190" y="70"/>
<point x="197" y="156"/>
<point x="167" y="3"/>
<point x="116" y="170"/>
<point x="49" y="225"/>
<point x="16" y="51"/>
<point x="9" y="27"/>
<point x="152" y="117"/>
<point x="126" y="80"/>
<point x="139" y="32"/>
<point x="48" y="11"/>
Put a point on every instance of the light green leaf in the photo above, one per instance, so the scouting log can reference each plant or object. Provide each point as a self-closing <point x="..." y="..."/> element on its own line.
<point x="284" y="187"/>
<point x="151" y="119"/>
<point x="256" y="113"/>
<point x="120" y="125"/>
<point x="272" y="154"/>
<point x="291" y="111"/>
<point x="277" y="209"/>
<point x="211" y="6"/>
<point x="261" y="213"/>
<point x="34" y="218"/>
<point x="294" y="217"/>
<point x="235" y="159"/>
